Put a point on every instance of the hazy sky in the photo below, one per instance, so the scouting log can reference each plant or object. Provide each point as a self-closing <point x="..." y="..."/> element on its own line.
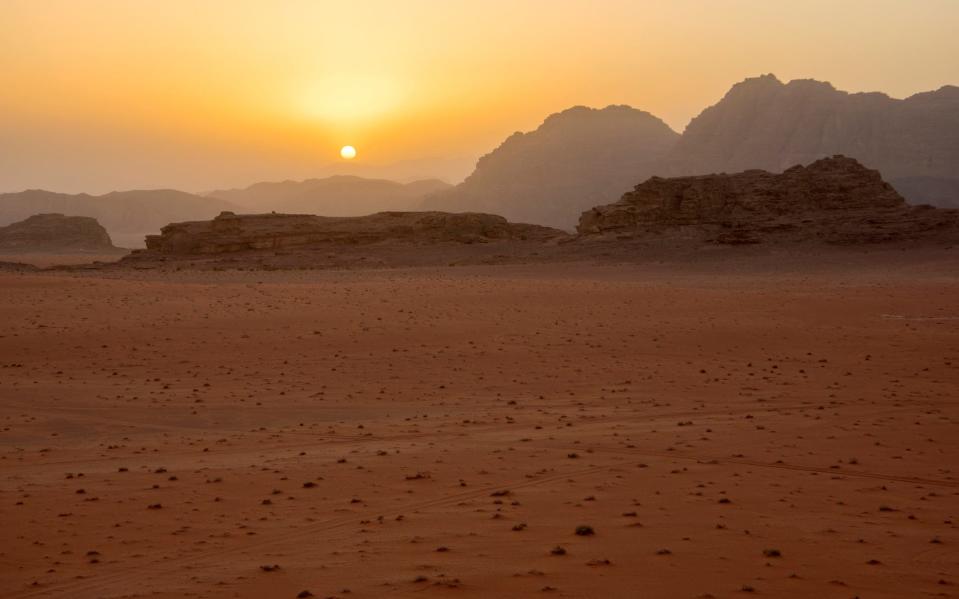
<point x="194" y="94"/>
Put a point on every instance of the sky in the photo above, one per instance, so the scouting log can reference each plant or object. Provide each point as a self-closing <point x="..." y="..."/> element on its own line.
<point x="100" y="95"/>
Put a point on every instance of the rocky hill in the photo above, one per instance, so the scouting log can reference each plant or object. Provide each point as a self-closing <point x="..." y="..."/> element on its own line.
<point x="763" y="123"/>
<point x="127" y="215"/>
<point x="576" y="159"/>
<point x="230" y="232"/>
<point x="339" y="195"/>
<point x="833" y="200"/>
<point x="53" y="233"/>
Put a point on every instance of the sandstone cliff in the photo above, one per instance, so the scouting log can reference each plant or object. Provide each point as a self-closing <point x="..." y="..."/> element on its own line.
<point x="55" y="232"/>
<point x="229" y="232"/>
<point x="835" y="200"/>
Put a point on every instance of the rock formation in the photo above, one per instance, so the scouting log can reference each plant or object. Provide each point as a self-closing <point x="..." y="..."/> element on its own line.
<point x="55" y="232"/>
<point x="578" y="158"/>
<point x="339" y="195"/>
<point x="835" y="200"/>
<point x="762" y="123"/>
<point x="229" y="232"/>
<point x="127" y="215"/>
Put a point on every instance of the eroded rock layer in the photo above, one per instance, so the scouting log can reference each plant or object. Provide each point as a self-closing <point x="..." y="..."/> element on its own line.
<point x="836" y="200"/>
<point x="230" y="232"/>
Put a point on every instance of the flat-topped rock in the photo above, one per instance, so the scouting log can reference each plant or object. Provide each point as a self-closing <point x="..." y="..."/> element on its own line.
<point x="231" y="232"/>
<point x="835" y="200"/>
<point x="55" y="232"/>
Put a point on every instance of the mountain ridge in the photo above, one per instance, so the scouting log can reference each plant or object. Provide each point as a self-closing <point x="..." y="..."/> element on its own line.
<point x="764" y="123"/>
<point x="574" y="159"/>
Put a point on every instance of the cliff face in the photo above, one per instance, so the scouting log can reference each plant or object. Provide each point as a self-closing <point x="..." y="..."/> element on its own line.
<point x="835" y="200"/>
<point x="762" y="123"/>
<point x="576" y="159"/>
<point x="55" y="232"/>
<point x="229" y="232"/>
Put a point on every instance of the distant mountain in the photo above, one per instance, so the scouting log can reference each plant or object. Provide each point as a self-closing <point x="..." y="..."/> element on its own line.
<point x="763" y="123"/>
<point x="128" y="216"/>
<point x="584" y="157"/>
<point x="340" y="195"/>
<point x="576" y="159"/>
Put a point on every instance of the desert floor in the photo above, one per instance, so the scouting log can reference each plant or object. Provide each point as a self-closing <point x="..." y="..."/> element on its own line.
<point x="46" y="259"/>
<point x="443" y="432"/>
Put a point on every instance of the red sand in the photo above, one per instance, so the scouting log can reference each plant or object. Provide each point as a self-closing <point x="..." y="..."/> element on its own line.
<point x="456" y="425"/>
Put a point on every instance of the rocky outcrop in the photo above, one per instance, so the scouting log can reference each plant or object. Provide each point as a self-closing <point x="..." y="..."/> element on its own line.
<point x="127" y="215"/>
<point x="578" y="158"/>
<point x="763" y="123"/>
<point x="230" y="232"/>
<point x="55" y="232"/>
<point x="835" y="200"/>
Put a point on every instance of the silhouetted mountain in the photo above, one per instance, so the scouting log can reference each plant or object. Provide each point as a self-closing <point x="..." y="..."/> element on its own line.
<point x="128" y="216"/>
<point x="763" y="123"/>
<point x="584" y="157"/>
<point x="340" y="195"/>
<point x="576" y="159"/>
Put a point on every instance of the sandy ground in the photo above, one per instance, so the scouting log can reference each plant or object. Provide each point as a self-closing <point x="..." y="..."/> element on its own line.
<point x="443" y="433"/>
<point x="46" y="259"/>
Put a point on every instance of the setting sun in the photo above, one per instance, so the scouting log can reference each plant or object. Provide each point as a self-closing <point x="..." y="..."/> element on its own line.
<point x="348" y="152"/>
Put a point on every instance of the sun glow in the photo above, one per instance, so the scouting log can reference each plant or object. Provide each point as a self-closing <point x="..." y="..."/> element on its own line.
<point x="348" y="152"/>
<point x="218" y="93"/>
<point x="348" y="100"/>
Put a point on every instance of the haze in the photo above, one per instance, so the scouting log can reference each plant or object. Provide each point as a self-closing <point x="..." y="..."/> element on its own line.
<point x="112" y="95"/>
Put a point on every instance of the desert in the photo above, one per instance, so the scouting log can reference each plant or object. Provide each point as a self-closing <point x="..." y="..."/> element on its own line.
<point x="479" y="300"/>
<point x="750" y="377"/>
<point x="783" y="424"/>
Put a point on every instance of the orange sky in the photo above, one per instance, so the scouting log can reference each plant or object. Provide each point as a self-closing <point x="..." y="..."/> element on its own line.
<point x="117" y="94"/>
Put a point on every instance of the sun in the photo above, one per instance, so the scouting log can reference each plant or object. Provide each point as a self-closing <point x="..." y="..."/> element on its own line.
<point x="348" y="152"/>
